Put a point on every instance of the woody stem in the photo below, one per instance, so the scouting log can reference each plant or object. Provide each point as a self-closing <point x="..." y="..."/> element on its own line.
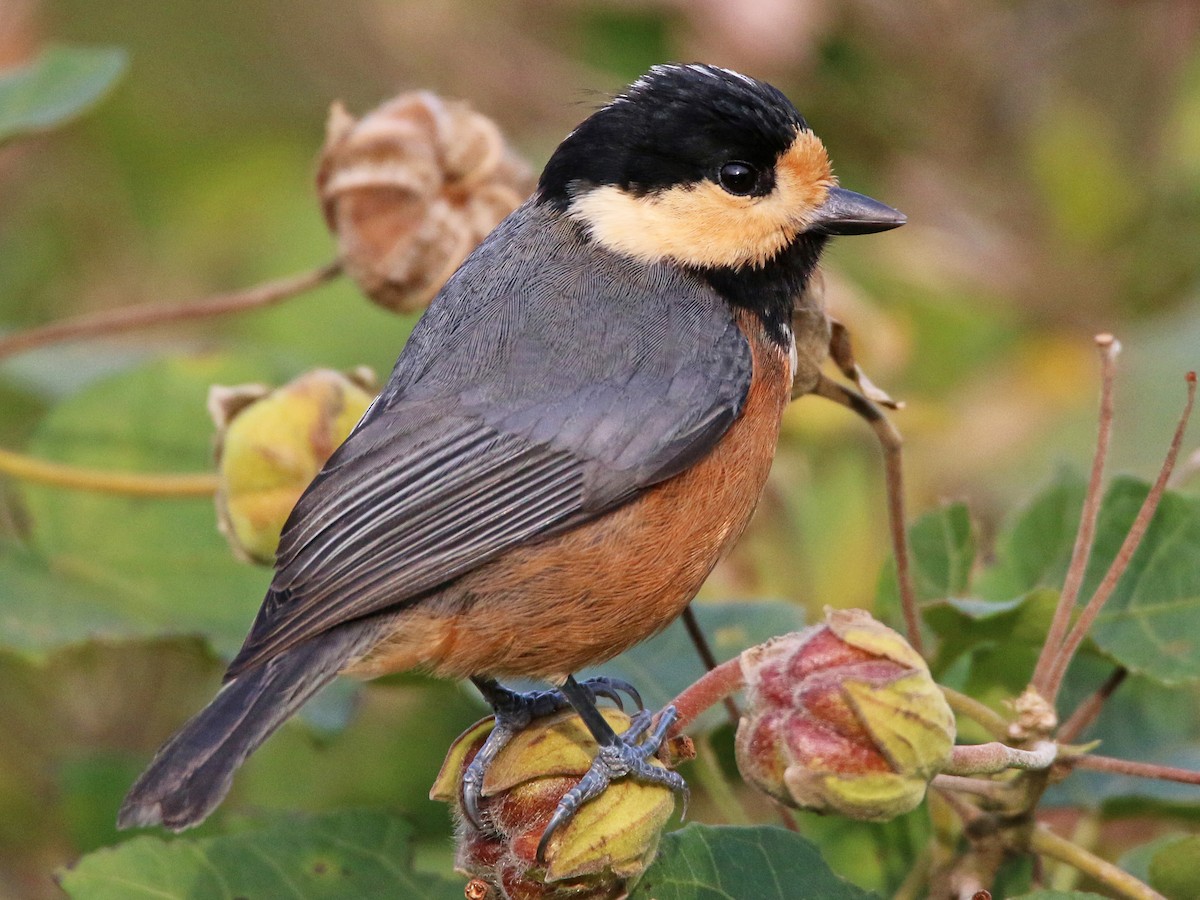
<point x="135" y="317"/>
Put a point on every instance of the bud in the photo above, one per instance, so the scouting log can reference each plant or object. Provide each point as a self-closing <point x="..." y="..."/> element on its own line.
<point x="595" y="856"/>
<point x="271" y="444"/>
<point x="410" y="189"/>
<point x="843" y="717"/>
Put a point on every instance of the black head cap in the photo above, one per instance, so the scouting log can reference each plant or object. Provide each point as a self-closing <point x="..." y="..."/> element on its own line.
<point x="675" y="125"/>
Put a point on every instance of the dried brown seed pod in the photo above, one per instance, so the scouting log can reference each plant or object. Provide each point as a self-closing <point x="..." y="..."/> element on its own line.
<point x="411" y="188"/>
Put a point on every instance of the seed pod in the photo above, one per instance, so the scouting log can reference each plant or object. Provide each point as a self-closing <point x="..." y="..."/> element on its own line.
<point x="410" y="189"/>
<point x="271" y="444"/>
<point x="843" y="717"/>
<point x="595" y="856"/>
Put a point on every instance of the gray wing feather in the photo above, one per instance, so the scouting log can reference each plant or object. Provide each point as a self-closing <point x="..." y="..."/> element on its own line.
<point x="530" y="398"/>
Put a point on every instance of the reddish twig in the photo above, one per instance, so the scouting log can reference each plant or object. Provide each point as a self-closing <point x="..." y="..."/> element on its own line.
<point x="1087" y="711"/>
<point x="712" y="687"/>
<point x="704" y="649"/>
<point x="134" y="317"/>
<point x="1137" y="769"/>
<point x="891" y="442"/>
<point x="1109" y="348"/>
<point x="1132" y="540"/>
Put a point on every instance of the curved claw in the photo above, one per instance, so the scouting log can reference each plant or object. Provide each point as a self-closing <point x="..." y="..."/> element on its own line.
<point x="515" y="710"/>
<point x="629" y="756"/>
<point x="472" y="778"/>
<point x="612" y="688"/>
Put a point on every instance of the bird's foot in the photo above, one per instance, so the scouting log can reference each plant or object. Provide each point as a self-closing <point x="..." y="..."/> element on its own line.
<point x="514" y="711"/>
<point x="628" y="755"/>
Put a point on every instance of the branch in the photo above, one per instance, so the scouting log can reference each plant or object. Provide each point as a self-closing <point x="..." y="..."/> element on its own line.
<point x="890" y="441"/>
<point x="1136" y="769"/>
<point x="712" y="687"/>
<point x="700" y="642"/>
<point x="1132" y="540"/>
<point x="1109" y="348"/>
<point x="40" y="471"/>
<point x="994" y="758"/>
<point x="1048" y="843"/>
<point x="980" y="713"/>
<point x="997" y="792"/>
<point x="134" y="317"/>
<point x="1087" y="711"/>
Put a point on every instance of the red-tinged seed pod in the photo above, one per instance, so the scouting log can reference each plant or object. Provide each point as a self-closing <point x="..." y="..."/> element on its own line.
<point x="410" y="189"/>
<point x="843" y="717"/>
<point x="271" y="444"/>
<point x="595" y="856"/>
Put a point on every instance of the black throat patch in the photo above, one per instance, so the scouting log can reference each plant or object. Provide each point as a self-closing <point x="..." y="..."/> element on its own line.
<point x="770" y="291"/>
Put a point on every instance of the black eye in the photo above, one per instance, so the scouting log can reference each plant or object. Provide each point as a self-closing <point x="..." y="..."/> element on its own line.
<point x="738" y="177"/>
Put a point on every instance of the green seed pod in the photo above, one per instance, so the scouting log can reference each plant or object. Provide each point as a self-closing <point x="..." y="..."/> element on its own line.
<point x="595" y="856"/>
<point x="271" y="444"/>
<point x="843" y="717"/>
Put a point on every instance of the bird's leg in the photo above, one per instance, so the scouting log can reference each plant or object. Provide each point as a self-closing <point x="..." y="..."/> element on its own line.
<point x="618" y="755"/>
<point x="514" y="711"/>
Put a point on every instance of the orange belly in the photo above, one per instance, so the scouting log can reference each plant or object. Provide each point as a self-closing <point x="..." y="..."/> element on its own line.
<point x="550" y="608"/>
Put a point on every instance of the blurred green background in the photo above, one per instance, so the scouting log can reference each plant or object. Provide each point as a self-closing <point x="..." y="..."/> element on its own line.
<point x="1047" y="155"/>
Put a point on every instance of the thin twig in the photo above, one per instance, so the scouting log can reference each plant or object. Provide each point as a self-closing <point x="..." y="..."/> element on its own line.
<point x="1132" y="540"/>
<point x="891" y="442"/>
<point x="1048" y="843"/>
<point x="135" y="317"/>
<point x="1087" y="711"/>
<point x="980" y="713"/>
<point x="140" y="484"/>
<point x="914" y="885"/>
<point x="704" y="649"/>
<point x="997" y="792"/>
<point x="1137" y="769"/>
<point x="1109" y="348"/>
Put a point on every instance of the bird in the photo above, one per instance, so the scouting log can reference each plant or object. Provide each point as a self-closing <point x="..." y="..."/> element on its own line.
<point x="577" y="430"/>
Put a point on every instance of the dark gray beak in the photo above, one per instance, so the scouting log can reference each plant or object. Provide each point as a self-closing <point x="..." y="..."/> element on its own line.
<point x="845" y="212"/>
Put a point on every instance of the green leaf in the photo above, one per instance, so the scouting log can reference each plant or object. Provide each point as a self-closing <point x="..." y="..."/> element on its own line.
<point x="42" y="608"/>
<point x="1033" y="551"/>
<point x="967" y="624"/>
<point x="134" y="566"/>
<point x="702" y="862"/>
<point x="942" y="551"/>
<point x="1175" y="869"/>
<point x="60" y="84"/>
<point x="1059" y="895"/>
<point x="1151" y="623"/>
<point x="350" y="855"/>
<point x="1144" y="721"/>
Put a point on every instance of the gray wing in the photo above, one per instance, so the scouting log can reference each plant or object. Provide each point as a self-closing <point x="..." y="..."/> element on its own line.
<point x="529" y="399"/>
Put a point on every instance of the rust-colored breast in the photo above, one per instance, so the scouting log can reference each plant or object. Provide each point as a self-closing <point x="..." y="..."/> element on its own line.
<point x="584" y="596"/>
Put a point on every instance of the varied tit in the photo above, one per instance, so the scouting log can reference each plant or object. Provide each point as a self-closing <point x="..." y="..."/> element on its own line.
<point x="577" y="430"/>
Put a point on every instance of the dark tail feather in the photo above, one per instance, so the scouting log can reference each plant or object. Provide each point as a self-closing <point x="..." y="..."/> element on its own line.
<point x="192" y="772"/>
